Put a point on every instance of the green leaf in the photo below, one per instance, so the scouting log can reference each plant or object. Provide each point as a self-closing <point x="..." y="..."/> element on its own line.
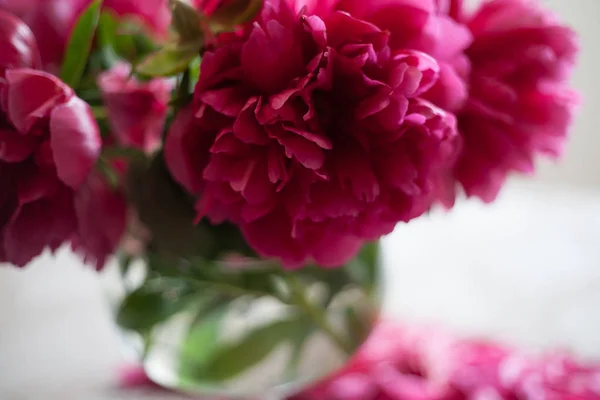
<point x="153" y="303"/>
<point x="232" y="360"/>
<point x="244" y="282"/>
<point x="80" y="45"/>
<point x="370" y="255"/>
<point x="114" y="48"/>
<point x="129" y="153"/>
<point x="364" y="268"/>
<point x="359" y="327"/>
<point x="336" y="279"/>
<point x="108" y="172"/>
<point x="234" y="14"/>
<point x="299" y="341"/>
<point x="204" y="333"/>
<point x="186" y="21"/>
<point x="122" y="39"/>
<point x="194" y="73"/>
<point x="125" y="261"/>
<point x="169" y="61"/>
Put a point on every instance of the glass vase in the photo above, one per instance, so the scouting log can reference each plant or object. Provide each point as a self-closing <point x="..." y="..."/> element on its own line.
<point x="243" y="328"/>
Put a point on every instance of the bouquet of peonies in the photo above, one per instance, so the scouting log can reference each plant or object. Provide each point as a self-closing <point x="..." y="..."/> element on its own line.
<point x="246" y="151"/>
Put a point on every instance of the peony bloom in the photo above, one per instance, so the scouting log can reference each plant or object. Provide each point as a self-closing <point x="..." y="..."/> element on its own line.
<point x="520" y="104"/>
<point x="559" y="377"/>
<point x="482" y="371"/>
<point x="317" y="145"/>
<point x="136" y="110"/>
<point x="423" y="25"/>
<point x="49" y="142"/>
<point x="399" y="363"/>
<point x="52" y="20"/>
<point x="485" y="370"/>
<point x="395" y="363"/>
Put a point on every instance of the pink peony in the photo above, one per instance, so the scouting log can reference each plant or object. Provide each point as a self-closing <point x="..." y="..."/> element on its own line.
<point x="49" y="142"/>
<point x="424" y="25"/>
<point x="52" y="20"/>
<point x="395" y="363"/>
<point x="485" y="370"/>
<point x="316" y="145"/>
<point x="136" y="110"/>
<point x="560" y="377"/>
<point x="520" y="104"/>
<point x="404" y="363"/>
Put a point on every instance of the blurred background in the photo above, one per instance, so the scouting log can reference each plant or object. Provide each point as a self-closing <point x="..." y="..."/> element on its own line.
<point x="525" y="270"/>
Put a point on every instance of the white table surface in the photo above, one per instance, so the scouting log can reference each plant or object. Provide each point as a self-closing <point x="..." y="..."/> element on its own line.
<point x="525" y="270"/>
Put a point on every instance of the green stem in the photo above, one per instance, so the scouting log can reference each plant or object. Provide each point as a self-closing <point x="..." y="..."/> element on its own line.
<point x="99" y="112"/>
<point x="232" y="290"/>
<point x="316" y="314"/>
<point x="123" y="152"/>
<point x="147" y="339"/>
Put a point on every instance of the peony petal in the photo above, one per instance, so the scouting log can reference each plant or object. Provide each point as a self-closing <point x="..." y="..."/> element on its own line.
<point x="254" y="184"/>
<point x="280" y="58"/>
<point x="18" y="47"/>
<point x="330" y="200"/>
<point x="276" y="166"/>
<point x="75" y="140"/>
<point x="34" y="184"/>
<point x="374" y="104"/>
<point x="422" y="73"/>
<point x="227" y="101"/>
<point x="343" y="27"/>
<point x="305" y="152"/>
<point x="317" y="138"/>
<point x="336" y="249"/>
<point x="101" y="216"/>
<point x="353" y="386"/>
<point x="247" y="128"/>
<point x="154" y="13"/>
<point x="46" y="223"/>
<point x="8" y="200"/>
<point x="252" y="212"/>
<point x="259" y="235"/>
<point x="15" y="147"/>
<point x="186" y="148"/>
<point x="220" y="64"/>
<point x="354" y="169"/>
<point x="227" y="143"/>
<point x="452" y="37"/>
<point x="450" y="92"/>
<point x="32" y="95"/>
